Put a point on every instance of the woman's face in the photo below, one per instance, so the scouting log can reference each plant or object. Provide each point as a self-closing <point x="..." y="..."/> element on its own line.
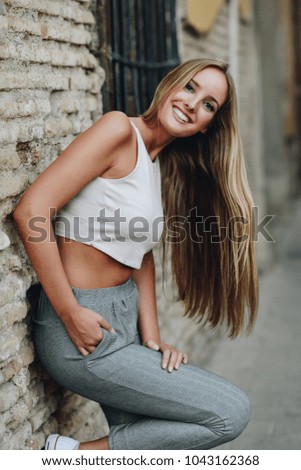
<point x="190" y="109"/>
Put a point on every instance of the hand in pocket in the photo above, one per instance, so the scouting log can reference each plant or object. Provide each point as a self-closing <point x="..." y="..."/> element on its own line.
<point x="84" y="327"/>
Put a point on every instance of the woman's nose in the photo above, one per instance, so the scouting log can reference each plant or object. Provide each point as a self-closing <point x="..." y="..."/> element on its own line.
<point x="190" y="105"/>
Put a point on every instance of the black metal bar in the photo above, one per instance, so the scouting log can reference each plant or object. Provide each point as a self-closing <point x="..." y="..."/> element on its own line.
<point x="124" y="49"/>
<point x="132" y="44"/>
<point x="143" y="64"/>
<point x="173" y="30"/>
<point x="144" y="48"/>
<point x="115" y="48"/>
<point x="148" y="52"/>
<point x="162" y="50"/>
<point x="139" y="54"/>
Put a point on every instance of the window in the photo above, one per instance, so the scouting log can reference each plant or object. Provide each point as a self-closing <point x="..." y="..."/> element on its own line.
<point x="141" y="48"/>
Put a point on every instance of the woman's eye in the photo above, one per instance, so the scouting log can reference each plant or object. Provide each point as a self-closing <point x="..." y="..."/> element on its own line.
<point x="189" y="88"/>
<point x="209" y="106"/>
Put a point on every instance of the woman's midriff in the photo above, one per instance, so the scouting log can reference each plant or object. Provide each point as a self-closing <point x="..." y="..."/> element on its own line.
<point x="89" y="268"/>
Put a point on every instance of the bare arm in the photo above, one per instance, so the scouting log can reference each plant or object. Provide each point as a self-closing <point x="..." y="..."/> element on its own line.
<point x="91" y="154"/>
<point x="148" y="318"/>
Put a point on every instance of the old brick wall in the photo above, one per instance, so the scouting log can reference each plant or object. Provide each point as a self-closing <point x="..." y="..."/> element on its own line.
<point x="49" y="92"/>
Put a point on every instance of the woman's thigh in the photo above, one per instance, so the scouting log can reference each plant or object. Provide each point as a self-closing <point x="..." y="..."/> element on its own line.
<point x="123" y="374"/>
<point x="132" y="379"/>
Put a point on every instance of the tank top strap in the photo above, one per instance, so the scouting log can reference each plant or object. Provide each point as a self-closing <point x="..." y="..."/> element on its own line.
<point x="141" y="145"/>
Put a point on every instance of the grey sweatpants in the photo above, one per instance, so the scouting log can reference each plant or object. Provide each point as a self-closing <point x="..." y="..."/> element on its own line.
<point x="146" y="407"/>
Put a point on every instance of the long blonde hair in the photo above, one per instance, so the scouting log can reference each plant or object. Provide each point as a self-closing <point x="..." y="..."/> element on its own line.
<point x="204" y="176"/>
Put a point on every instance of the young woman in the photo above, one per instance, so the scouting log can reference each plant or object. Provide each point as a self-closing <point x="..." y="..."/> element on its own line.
<point x="95" y="328"/>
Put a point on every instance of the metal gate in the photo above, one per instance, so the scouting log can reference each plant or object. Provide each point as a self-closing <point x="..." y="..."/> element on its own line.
<point x="143" y="48"/>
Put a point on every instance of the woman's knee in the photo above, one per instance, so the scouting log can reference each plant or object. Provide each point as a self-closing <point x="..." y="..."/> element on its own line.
<point x="232" y="418"/>
<point x="238" y="417"/>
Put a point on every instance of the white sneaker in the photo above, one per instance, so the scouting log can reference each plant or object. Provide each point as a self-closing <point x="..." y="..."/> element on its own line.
<point x="57" y="442"/>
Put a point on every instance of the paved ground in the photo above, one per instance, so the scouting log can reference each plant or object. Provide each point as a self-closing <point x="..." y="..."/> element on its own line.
<point x="267" y="364"/>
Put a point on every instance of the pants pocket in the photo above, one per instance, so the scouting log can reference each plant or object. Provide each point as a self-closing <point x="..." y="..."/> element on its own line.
<point x="42" y="310"/>
<point x="123" y="316"/>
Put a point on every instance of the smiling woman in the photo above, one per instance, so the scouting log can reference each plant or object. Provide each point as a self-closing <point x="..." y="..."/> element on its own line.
<point x="203" y="168"/>
<point x="96" y="330"/>
<point x="195" y="103"/>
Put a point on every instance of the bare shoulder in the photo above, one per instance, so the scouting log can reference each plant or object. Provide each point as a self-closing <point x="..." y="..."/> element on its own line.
<point x="94" y="152"/>
<point x="117" y="125"/>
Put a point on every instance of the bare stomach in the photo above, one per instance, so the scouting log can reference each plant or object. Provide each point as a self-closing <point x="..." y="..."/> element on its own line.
<point x="89" y="268"/>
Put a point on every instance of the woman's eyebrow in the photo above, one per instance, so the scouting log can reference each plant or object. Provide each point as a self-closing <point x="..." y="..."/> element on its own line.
<point x="209" y="96"/>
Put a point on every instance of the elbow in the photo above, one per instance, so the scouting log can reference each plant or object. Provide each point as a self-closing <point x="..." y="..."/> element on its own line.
<point x="18" y="214"/>
<point x="26" y="211"/>
<point x="22" y="213"/>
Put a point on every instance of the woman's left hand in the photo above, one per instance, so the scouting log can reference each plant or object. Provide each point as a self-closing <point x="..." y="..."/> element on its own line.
<point x="171" y="357"/>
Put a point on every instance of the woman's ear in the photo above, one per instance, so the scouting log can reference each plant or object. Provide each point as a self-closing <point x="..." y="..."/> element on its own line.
<point x="203" y="131"/>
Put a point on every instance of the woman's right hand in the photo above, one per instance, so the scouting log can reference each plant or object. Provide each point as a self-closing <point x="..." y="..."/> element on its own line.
<point x="84" y="327"/>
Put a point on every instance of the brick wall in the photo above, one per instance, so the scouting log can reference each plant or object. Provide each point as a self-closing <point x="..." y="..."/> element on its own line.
<point x="49" y="92"/>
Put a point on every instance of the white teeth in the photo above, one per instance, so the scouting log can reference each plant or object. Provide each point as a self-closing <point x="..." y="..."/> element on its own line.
<point x="181" y="115"/>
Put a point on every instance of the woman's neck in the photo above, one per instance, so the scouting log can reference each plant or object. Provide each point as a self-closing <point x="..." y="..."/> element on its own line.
<point x="155" y="138"/>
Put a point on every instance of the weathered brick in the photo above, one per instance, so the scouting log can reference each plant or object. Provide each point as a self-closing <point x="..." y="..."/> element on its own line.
<point x="65" y="32"/>
<point x="9" y="159"/>
<point x="72" y="59"/>
<point x="40" y="414"/>
<point x="37" y="441"/>
<point x="3" y="24"/>
<point x="12" y="262"/>
<point x="55" y="127"/>
<point x="17" y="439"/>
<point x="2" y="9"/>
<point x="11" y="287"/>
<point x="12" y="184"/>
<point x="11" y="340"/>
<point x="33" y="77"/>
<point x="48" y="53"/>
<point x="6" y="207"/>
<point x="14" y="105"/>
<point x="23" y="358"/>
<point x="35" y="393"/>
<point x="12" y="313"/>
<point x="73" y="102"/>
<point x="23" y="25"/>
<point x="68" y="10"/>
<point x="9" y="395"/>
<point x="81" y="81"/>
<point x="19" y="412"/>
<point x="4" y="241"/>
<point x="22" y="380"/>
<point x="2" y="428"/>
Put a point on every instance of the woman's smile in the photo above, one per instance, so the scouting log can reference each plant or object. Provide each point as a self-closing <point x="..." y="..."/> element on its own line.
<point x="180" y="116"/>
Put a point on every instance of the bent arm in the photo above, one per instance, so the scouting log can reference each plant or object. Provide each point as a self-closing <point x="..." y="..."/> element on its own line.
<point x="92" y="153"/>
<point x="148" y="319"/>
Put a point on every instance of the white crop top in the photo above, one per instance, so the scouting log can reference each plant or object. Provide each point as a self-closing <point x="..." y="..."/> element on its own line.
<point x="123" y="217"/>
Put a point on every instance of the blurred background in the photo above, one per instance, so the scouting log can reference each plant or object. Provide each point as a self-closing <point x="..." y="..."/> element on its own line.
<point x="63" y="65"/>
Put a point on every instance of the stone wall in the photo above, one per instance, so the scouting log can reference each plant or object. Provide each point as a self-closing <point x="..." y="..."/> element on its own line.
<point x="49" y="92"/>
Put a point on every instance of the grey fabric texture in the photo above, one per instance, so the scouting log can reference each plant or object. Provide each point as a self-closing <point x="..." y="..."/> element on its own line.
<point x="146" y="407"/>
